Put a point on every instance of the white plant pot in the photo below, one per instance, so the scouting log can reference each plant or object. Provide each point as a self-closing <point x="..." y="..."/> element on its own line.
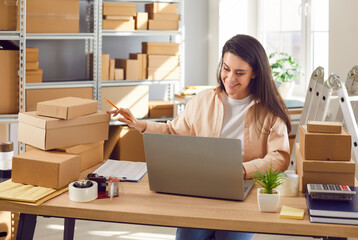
<point x="286" y="89"/>
<point x="268" y="202"/>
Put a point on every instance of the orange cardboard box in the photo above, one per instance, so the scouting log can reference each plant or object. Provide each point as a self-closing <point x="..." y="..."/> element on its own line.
<point x="67" y="108"/>
<point x="325" y="146"/>
<point x="161" y="8"/>
<point x="142" y="64"/>
<point x="141" y="21"/>
<point x="164" y="16"/>
<point x="34" y="76"/>
<point x="160" y="108"/>
<point x="32" y="55"/>
<point x="163" y="61"/>
<point x="162" y="25"/>
<point x="163" y="73"/>
<point x="45" y="168"/>
<point x="4" y="132"/>
<point x="111" y="69"/>
<point x="118" y="74"/>
<point x="324" y="127"/>
<point x="160" y="48"/>
<point x="9" y="66"/>
<point x="50" y="133"/>
<point x="33" y="96"/>
<point x="324" y="172"/>
<point x="118" y="24"/>
<point x="8" y="11"/>
<point x="119" y="9"/>
<point x="130" y="66"/>
<point x="105" y="67"/>
<point x="32" y="66"/>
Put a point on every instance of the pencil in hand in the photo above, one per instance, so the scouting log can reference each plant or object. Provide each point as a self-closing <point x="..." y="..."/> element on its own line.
<point x="121" y="113"/>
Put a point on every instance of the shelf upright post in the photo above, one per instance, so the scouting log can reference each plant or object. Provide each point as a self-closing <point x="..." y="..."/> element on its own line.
<point x="98" y="49"/>
<point x="89" y="42"/>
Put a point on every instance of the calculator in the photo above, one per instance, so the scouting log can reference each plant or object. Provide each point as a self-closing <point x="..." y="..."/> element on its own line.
<point x="330" y="192"/>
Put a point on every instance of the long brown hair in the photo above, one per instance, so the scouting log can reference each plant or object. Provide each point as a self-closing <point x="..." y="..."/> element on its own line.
<point x="262" y="87"/>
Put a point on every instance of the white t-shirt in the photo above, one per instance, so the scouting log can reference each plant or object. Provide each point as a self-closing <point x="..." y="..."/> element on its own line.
<point x="234" y="116"/>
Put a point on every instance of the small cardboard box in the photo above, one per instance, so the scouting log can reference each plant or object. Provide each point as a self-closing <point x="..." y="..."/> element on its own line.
<point x="324" y="127"/>
<point x="142" y="64"/>
<point x="133" y="97"/>
<point x="119" y="9"/>
<point x="324" y="172"/>
<point x="4" y="132"/>
<point x="162" y="25"/>
<point x="118" y="74"/>
<point x="33" y="96"/>
<point x="161" y="8"/>
<point x="130" y="145"/>
<point x="325" y="146"/>
<point x="9" y="66"/>
<point x="130" y="66"/>
<point x="34" y="76"/>
<point x="160" y="108"/>
<point x="50" y="133"/>
<point x="163" y="73"/>
<point x="105" y="67"/>
<point x="141" y="21"/>
<point x="45" y="168"/>
<point x="67" y="108"/>
<point x="160" y="48"/>
<point x="90" y="154"/>
<point x="32" y="55"/>
<point x="8" y="11"/>
<point x="112" y="64"/>
<point x="32" y="66"/>
<point x="118" y="24"/>
<point x="163" y="61"/>
<point x="164" y="16"/>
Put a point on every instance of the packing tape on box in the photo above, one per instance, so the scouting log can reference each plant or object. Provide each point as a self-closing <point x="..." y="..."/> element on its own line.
<point x="83" y="191"/>
<point x="289" y="188"/>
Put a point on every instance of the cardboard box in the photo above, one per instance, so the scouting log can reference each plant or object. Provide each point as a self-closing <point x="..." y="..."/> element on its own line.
<point x="32" y="55"/>
<point x="162" y="25"/>
<point x="105" y="67"/>
<point x="141" y="21"/>
<point x="160" y="48"/>
<point x="163" y="61"/>
<point x="118" y="74"/>
<point x="324" y="127"/>
<point x="90" y="154"/>
<point x="160" y="108"/>
<point x="111" y="69"/>
<point x="133" y="97"/>
<point x="34" y="76"/>
<point x="130" y="66"/>
<point x="52" y="16"/>
<point x="9" y="79"/>
<point x="8" y="10"/>
<point x="45" y="168"/>
<point x="32" y="66"/>
<point x="163" y="73"/>
<point x="325" y="146"/>
<point x="164" y="16"/>
<point x="109" y="145"/>
<point x="129" y="146"/>
<point x="324" y="172"/>
<point x="119" y="9"/>
<point x="126" y="18"/>
<point x="67" y="108"/>
<point x="33" y="96"/>
<point x="50" y="133"/>
<point x="118" y="24"/>
<point x="4" y="132"/>
<point x="142" y="64"/>
<point x="161" y="8"/>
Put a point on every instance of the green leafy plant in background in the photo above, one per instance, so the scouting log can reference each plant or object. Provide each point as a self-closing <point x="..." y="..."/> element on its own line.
<point x="269" y="180"/>
<point x="284" y="67"/>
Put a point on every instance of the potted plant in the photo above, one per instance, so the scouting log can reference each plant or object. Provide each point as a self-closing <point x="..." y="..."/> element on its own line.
<point x="285" y="70"/>
<point x="268" y="198"/>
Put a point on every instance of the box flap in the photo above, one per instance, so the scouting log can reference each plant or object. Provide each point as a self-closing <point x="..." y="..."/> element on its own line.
<point x="33" y="119"/>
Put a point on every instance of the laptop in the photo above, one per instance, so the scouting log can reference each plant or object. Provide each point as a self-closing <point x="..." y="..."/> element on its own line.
<point x="196" y="166"/>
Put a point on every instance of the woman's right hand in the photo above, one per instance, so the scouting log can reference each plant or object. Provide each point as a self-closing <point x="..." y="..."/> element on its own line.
<point x="129" y="119"/>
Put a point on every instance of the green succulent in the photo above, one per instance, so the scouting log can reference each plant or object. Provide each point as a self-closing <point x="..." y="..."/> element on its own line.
<point x="269" y="179"/>
<point x="284" y="67"/>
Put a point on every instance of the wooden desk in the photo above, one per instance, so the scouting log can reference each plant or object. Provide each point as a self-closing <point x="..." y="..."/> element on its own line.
<point x="137" y="204"/>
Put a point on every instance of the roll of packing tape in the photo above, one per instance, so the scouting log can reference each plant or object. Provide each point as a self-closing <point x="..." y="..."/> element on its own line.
<point x="83" y="191"/>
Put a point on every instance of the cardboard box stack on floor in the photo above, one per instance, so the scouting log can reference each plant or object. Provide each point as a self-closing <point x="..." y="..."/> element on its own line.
<point x="33" y="72"/>
<point x="323" y="155"/>
<point x="119" y="16"/>
<point x="65" y="136"/>
<point x="162" y="60"/>
<point x="162" y="16"/>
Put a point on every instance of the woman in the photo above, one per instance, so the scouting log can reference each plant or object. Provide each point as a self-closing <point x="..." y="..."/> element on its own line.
<point x="246" y="105"/>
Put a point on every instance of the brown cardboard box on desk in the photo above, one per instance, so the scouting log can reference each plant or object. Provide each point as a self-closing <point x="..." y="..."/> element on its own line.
<point x="324" y="172"/>
<point x="45" y="168"/>
<point x="160" y="108"/>
<point x="325" y="146"/>
<point x="49" y="133"/>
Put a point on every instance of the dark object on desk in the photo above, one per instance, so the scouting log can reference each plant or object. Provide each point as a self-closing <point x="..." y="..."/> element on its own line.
<point x="333" y="211"/>
<point x="293" y="103"/>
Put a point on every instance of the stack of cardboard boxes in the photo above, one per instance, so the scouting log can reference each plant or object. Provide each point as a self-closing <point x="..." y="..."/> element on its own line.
<point x="119" y="16"/>
<point x="162" y="16"/>
<point x="33" y="72"/>
<point x="65" y="136"/>
<point x="323" y="155"/>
